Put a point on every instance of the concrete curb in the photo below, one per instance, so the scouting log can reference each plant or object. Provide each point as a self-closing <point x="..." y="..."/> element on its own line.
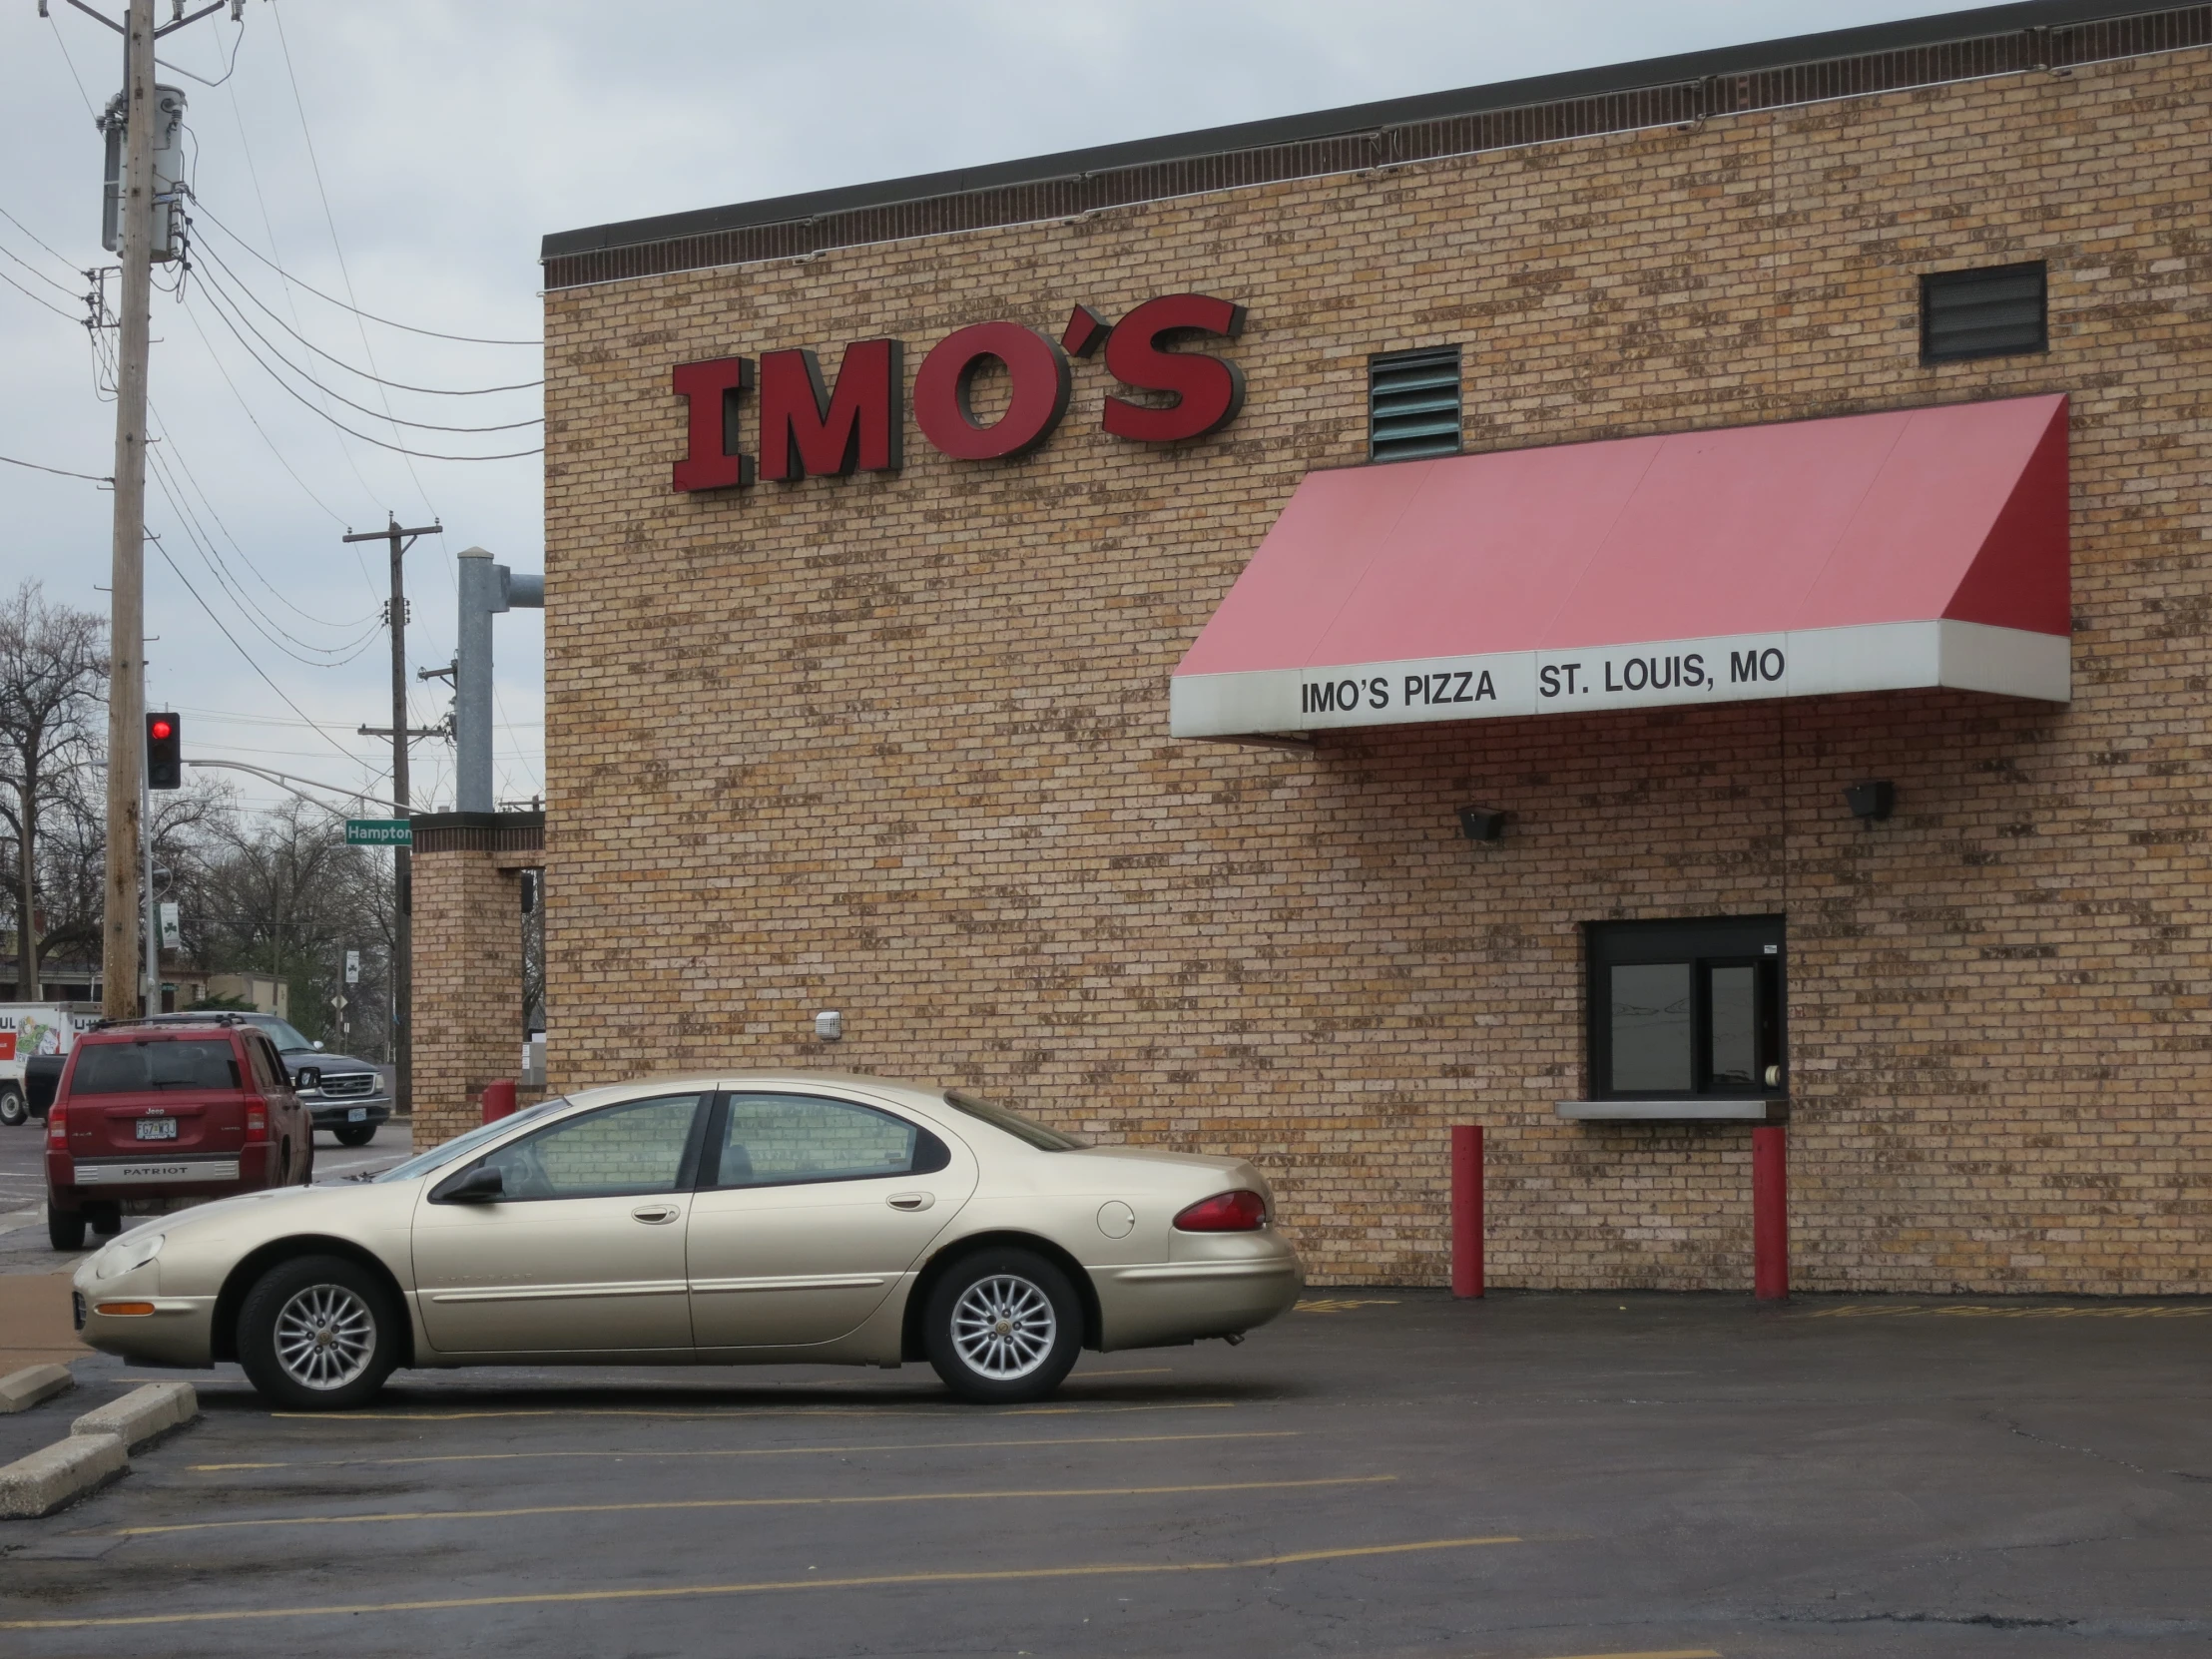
<point x="141" y="1414"/>
<point x="53" y="1475"/>
<point x="22" y="1390"/>
<point x="97" y="1450"/>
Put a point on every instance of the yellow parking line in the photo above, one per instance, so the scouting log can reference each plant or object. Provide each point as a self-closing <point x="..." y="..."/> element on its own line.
<point x="736" y="1412"/>
<point x="760" y="1503"/>
<point x="553" y="1598"/>
<point x="755" y="1451"/>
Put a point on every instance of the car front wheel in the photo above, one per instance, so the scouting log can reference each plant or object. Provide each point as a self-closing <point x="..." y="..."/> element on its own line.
<point x="1003" y="1327"/>
<point x="13" y="1108"/>
<point x="355" y="1134"/>
<point x="318" y="1334"/>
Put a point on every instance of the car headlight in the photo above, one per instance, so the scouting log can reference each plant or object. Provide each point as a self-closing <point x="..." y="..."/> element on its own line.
<point x="128" y="1255"/>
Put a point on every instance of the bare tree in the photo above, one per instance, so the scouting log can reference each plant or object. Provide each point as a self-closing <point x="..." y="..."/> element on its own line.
<point x="53" y="666"/>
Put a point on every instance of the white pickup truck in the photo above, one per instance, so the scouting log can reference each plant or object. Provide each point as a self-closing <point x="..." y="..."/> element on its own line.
<point x="28" y="1028"/>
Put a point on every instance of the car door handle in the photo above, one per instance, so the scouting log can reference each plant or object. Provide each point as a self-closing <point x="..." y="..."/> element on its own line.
<point x="911" y="1201"/>
<point x="656" y="1213"/>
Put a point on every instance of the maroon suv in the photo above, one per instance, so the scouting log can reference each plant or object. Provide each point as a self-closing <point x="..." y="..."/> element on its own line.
<point x="158" y="1117"/>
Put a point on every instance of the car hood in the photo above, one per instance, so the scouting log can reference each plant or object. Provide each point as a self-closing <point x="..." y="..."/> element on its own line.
<point x="294" y="1058"/>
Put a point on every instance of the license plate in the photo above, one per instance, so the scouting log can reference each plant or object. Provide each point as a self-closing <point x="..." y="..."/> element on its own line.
<point x="156" y="1129"/>
<point x="358" y="1114"/>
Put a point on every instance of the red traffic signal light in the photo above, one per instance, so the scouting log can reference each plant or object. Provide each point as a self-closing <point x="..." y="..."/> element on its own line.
<point x="164" y="752"/>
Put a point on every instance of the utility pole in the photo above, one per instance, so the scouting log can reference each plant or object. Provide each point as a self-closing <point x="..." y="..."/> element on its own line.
<point x="135" y="247"/>
<point x="402" y="919"/>
<point x="119" y="954"/>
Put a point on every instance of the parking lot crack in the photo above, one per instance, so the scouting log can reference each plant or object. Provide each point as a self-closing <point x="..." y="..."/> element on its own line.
<point x="2012" y="1426"/>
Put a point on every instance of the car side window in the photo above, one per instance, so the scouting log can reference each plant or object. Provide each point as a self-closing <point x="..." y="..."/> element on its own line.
<point x="773" y="1140"/>
<point x="615" y="1152"/>
<point x="267" y="1075"/>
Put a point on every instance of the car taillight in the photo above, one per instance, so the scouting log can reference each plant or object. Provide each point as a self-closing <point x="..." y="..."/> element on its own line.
<point x="1241" y="1212"/>
<point x="256" y="1121"/>
<point x="57" y="1126"/>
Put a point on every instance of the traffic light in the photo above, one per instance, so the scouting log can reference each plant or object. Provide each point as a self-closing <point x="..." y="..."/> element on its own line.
<point x="164" y="752"/>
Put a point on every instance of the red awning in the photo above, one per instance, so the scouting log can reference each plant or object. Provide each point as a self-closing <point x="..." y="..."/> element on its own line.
<point x="1920" y="547"/>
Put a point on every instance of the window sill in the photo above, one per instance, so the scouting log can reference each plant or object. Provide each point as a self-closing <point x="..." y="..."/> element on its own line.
<point x="1676" y="1111"/>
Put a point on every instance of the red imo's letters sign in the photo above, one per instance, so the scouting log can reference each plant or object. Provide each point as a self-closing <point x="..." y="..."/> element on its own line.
<point x="808" y="427"/>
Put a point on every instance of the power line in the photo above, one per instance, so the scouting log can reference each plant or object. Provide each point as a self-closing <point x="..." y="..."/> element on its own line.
<point x="176" y="457"/>
<point x="237" y="41"/>
<point x="251" y="662"/>
<point x="403" y="328"/>
<point x="238" y="315"/>
<point x="335" y="517"/>
<point x="35" y="237"/>
<point x="203" y="545"/>
<point x="396" y="386"/>
<point x="57" y="471"/>
<point x="398" y="449"/>
<point x="35" y="301"/>
<point x="62" y="286"/>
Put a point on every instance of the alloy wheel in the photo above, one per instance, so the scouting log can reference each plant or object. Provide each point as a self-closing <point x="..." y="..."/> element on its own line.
<point x="325" y="1336"/>
<point x="1003" y="1327"/>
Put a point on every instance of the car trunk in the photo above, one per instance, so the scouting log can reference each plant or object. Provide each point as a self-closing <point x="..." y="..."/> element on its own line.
<point x="185" y="1097"/>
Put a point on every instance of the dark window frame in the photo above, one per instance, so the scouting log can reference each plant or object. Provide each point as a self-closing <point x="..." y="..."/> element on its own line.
<point x="1934" y="282"/>
<point x="1703" y="944"/>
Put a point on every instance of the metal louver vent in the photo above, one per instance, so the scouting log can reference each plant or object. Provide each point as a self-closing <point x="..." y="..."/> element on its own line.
<point x="1413" y="403"/>
<point x="1984" y="313"/>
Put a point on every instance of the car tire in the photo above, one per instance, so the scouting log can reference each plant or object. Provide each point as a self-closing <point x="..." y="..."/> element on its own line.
<point x="65" y="1229"/>
<point x="318" y="1334"/>
<point x="1002" y="1326"/>
<point x="355" y="1134"/>
<point x="14" y="1109"/>
<point x="107" y="1220"/>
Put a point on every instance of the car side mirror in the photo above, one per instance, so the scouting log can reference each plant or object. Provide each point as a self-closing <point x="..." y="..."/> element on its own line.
<point x="481" y="1185"/>
<point x="307" y="1077"/>
<point x="319" y="1048"/>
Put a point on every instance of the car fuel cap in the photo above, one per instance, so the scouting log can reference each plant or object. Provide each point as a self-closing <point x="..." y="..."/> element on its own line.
<point x="1115" y="1219"/>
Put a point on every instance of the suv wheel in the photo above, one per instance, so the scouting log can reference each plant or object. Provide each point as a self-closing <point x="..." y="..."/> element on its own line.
<point x="65" y="1229"/>
<point x="318" y="1334"/>
<point x="1003" y="1327"/>
<point x="14" y="1109"/>
<point x="107" y="1220"/>
<point x="355" y="1134"/>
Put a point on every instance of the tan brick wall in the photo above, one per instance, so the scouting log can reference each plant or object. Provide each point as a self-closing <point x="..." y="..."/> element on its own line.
<point x="898" y="746"/>
<point x="468" y="985"/>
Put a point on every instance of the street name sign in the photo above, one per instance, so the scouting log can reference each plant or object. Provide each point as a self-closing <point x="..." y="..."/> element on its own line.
<point x="379" y="831"/>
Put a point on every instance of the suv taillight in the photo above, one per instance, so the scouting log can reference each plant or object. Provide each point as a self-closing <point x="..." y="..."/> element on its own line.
<point x="57" y="1128"/>
<point x="1241" y="1212"/>
<point x="257" y="1120"/>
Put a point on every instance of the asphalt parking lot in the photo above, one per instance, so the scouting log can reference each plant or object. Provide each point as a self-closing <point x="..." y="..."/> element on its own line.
<point x="1381" y="1473"/>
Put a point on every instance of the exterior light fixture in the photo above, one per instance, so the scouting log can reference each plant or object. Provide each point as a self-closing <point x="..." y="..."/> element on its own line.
<point x="829" y="1026"/>
<point x="1482" y="824"/>
<point x="1871" y="802"/>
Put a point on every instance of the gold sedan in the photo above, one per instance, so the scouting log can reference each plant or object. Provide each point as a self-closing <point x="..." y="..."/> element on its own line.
<point x="741" y="1220"/>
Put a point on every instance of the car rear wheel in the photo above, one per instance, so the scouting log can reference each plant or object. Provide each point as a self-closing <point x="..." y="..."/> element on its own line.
<point x="65" y="1229"/>
<point x="107" y="1220"/>
<point x="14" y="1109"/>
<point x="1003" y="1327"/>
<point x="355" y="1134"/>
<point x="318" y="1334"/>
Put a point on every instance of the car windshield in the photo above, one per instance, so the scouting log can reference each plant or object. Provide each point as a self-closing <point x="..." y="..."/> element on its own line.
<point x="282" y="1034"/>
<point x="155" y="1063"/>
<point x="1035" y="1134"/>
<point x="462" y="1145"/>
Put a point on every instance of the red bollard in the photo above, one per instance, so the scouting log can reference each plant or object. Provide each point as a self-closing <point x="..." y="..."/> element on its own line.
<point x="1466" y="1210"/>
<point x="499" y="1099"/>
<point x="1770" y="1214"/>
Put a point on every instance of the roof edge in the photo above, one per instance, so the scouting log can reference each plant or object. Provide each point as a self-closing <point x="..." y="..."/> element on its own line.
<point x="1904" y="35"/>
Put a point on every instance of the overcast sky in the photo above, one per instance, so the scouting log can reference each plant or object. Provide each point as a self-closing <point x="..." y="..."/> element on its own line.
<point x="410" y="154"/>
